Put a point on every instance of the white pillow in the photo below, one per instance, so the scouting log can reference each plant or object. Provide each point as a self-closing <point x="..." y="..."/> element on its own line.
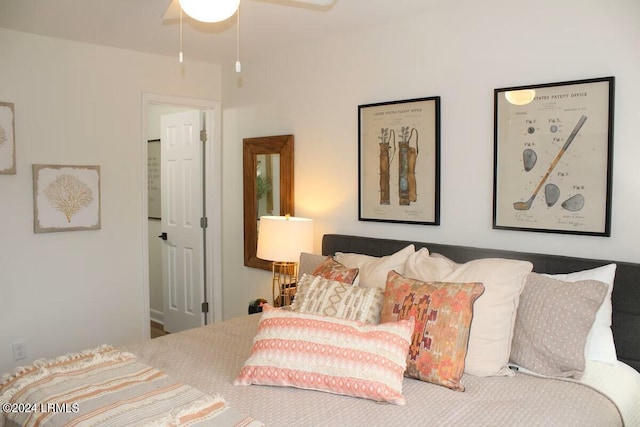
<point x="494" y="312"/>
<point x="600" y="345"/>
<point x="374" y="270"/>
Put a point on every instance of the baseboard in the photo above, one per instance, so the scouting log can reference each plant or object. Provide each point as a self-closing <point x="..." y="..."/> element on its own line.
<point x="157" y="316"/>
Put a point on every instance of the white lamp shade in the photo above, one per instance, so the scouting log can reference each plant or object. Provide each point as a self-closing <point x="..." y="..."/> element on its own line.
<point x="210" y="10"/>
<point x="282" y="238"/>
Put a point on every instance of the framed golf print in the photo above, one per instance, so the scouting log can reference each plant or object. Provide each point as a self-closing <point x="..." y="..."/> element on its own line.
<point x="553" y="146"/>
<point x="399" y="161"/>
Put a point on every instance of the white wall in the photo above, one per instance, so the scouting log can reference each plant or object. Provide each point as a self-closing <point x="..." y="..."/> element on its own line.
<point x="460" y="51"/>
<point x="79" y="104"/>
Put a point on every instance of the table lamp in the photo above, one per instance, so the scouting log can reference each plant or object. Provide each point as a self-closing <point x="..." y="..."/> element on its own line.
<point x="281" y="239"/>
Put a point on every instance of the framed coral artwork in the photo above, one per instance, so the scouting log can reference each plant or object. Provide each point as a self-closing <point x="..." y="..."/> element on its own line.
<point x="7" y="139"/>
<point x="66" y="198"/>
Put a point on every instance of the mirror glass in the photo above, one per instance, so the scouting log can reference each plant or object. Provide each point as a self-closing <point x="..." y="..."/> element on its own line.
<point x="267" y="187"/>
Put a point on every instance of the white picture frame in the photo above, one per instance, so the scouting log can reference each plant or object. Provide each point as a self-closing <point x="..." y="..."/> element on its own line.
<point x="7" y="139"/>
<point x="66" y="198"/>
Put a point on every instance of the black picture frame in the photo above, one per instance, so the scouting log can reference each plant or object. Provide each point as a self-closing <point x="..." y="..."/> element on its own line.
<point x="399" y="161"/>
<point x="553" y="157"/>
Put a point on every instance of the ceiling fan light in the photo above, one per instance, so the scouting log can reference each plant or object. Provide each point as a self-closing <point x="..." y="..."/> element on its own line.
<point x="520" y="97"/>
<point x="210" y="10"/>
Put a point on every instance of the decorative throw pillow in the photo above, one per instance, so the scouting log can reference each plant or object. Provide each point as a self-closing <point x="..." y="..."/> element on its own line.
<point x="553" y="322"/>
<point x="600" y="345"/>
<point x="442" y="313"/>
<point x="317" y="295"/>
<point x="333" y="270"/>
<point x="308" y="263"/>
<point x="329" y="354"/>
<point x="374" y="270"/>
<point x="494" y="313"/>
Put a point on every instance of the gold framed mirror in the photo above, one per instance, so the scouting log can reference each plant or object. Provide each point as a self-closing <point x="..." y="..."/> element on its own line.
<point x="267" y="186"/>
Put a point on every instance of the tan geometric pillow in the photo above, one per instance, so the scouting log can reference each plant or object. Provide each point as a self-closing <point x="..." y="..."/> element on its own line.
<point x="317" y="295"/>
<point x="553" y="322"/>
<point x="442" y="313"/>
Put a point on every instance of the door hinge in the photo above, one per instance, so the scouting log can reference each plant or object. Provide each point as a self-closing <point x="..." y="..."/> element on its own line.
<point x="205" y="307"/>
<point x="204" y="222"/>
<point x="203" y="135"/>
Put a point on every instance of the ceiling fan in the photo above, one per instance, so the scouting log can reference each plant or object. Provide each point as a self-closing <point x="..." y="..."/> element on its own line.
<point x="219" y="10"/>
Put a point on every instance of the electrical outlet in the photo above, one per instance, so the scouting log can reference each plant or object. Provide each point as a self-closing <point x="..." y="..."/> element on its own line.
<point x="19" y="350"/>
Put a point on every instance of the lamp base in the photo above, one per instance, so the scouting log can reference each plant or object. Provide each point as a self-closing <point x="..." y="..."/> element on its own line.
<point x="283" y="285"/>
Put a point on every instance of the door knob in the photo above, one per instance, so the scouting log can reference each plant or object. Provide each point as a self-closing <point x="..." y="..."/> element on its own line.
<point x="163" y="236"/>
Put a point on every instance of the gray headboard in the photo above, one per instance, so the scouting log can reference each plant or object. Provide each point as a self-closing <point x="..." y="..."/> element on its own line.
<point x="626" y="288"/>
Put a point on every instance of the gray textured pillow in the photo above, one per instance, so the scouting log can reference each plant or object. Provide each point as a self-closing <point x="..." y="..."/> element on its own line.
<point x="308" y="263"/>
<point x="317" y="295"/>
<point x="552" y="324"/>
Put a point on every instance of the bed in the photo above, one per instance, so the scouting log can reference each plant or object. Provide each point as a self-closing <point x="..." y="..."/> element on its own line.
<point x="210" y="359"/>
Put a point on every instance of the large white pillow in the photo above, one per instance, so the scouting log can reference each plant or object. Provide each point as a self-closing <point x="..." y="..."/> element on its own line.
<point x="600" y="345"/>
<point x="494" y="312"/>
<point x="374" y="270"/>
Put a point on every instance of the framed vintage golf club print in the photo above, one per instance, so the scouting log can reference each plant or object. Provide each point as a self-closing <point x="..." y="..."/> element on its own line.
<point x="399" y="161"/>
<point x="553" y="146"/>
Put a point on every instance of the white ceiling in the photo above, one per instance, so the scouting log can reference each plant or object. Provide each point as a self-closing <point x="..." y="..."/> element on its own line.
<point x="138" y="24"/>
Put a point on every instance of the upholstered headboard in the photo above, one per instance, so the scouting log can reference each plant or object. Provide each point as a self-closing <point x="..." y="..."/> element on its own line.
<point x="626" y="289"/>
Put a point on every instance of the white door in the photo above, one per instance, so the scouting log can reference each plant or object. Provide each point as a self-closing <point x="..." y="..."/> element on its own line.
<point x="182" y="208"/>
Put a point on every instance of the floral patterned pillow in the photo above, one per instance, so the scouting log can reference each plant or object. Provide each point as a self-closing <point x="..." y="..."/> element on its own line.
<point x="333" y="270"/>
<point x="442" y="313"/>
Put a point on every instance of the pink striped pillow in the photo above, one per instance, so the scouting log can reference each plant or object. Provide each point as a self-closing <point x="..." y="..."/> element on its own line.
<point x="329" y="354"/>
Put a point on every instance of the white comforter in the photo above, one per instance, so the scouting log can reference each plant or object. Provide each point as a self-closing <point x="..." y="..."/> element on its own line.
<point x="621" y="383"/>
<point x="209" y="358"/>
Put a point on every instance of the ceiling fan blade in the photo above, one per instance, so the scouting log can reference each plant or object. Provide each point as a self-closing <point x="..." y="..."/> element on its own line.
<point x="173" y="8"/>
<point x="172" y="11"/>
<point x="315" y="2"/>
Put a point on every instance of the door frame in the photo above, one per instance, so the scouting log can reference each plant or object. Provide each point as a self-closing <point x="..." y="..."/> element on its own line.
<point x="213" y="203"/>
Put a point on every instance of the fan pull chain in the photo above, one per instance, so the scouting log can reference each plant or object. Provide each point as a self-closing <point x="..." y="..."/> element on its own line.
<point x="238" y="64"/>
<point x="180" y="56"/>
